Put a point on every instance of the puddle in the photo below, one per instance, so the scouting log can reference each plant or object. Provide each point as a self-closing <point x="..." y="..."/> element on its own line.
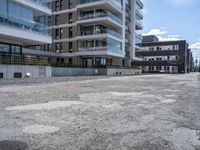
<point x="45" y="106"/>
<point x="40" y="129"/>
<point x="13" y="145"/>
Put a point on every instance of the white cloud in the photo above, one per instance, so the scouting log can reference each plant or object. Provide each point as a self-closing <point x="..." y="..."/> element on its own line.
<point x="155" y="32"/>
<point x="162" y="35"/>
<point x="195" y="45"/>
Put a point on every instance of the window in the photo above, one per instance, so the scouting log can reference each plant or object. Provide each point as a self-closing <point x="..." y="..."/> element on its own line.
<point x="70" y="4"/>
<point x="57" y="8"/>
<point x="61" y="4"/>
<point x="57" y="33"/>
<point x="57" y="19"/>
<point x="70" y="61"/>
<point x="70" y="18"/>
<point x="49" y="47"/>
<point x="61" y="47"/>
<point x="70" y="46"/>
<point x="4" y="48"/>
<point x="61" y="33"/>
<point x="70" y="32"/>
<point x="15" y="49"/>
<point x="49" y="20"/>
<point x="57" y="47"/>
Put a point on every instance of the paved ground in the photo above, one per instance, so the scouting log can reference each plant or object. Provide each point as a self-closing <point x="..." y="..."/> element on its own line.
<point x="152" y="112"/>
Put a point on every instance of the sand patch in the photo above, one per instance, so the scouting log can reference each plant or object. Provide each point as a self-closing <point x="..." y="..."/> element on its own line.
<point x="40" y="129"/>
<point x="45" y="106"/>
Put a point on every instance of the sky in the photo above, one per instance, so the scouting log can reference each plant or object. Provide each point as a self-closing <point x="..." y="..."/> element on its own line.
<point x="174" y="20"/>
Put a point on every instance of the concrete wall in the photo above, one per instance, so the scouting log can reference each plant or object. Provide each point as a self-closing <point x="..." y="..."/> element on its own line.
<point x="59" y="71"/>
<point x="113" y="71"/>
<point x="47" y="72"/>
<point x="35" y="71"/>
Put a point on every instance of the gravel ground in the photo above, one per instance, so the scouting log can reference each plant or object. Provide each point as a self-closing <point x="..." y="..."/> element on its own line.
<point x="151" y="112"/>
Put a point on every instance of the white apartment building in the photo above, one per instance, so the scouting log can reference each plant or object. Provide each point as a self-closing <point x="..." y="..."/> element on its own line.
<point x="96" y="32"/>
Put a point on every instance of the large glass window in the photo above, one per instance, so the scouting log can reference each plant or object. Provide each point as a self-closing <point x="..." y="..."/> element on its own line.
<point x="114" y="46"/>
<point x="4" y="48"/>
<point x="15" y="15"/>
<point x="3" y="7"/>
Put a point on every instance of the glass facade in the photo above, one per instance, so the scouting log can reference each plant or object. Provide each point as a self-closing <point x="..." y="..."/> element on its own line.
<point x="10" y="53"/>
<point x="15" y="15"/>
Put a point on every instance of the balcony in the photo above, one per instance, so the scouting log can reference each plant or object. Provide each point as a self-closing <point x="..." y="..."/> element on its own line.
<point x="138" y="34"/>
<point x="139" y="25"/>
<point x="45" y="3"/>
<point x="116" y="3"/>
<point x="102" y="31"/>
<point x="39" y="5"/>
<point x="23" y="24"/>
<point x="24" y="29"/>
<point x="101" y="15"/>
<point x="108" y="45"/>
<point x="139" y="13"/>
<point x="140" y="4"/>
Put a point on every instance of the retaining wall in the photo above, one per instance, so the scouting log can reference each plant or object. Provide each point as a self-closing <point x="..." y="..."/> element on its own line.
<point x="8" y="71"/>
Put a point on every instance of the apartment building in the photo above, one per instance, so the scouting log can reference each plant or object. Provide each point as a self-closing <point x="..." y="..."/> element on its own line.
<point x="164" y="56"/>
<point x="94" y="33"/>
<point x="23" y="23"/>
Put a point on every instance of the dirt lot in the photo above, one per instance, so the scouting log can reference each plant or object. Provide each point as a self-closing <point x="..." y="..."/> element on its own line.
<point x="150" y="112"/>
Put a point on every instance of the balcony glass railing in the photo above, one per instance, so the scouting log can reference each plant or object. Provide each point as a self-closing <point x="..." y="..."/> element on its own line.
<point x="86" y="1"/>
<point x="117" y="3"/>
<point x="101" y="48"/>
<point x="138" y="41"/>
<point x="24" y="24"/>
<point x="139" y="22"/>
<point x="108" y="31"/>
<point x="108" y="45"/>
<point x="98" y="48"/>
<point x="46" y="3"/>
<point x="99" y="15"/>
<point x="139" y="12"/>
<point x="138" y="34"/>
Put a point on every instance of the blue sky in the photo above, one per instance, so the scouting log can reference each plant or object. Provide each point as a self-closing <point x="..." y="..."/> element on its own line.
<point x="174" y="20"/>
